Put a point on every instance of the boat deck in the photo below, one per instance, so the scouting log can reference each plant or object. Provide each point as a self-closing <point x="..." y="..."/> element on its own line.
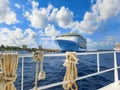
<point x="112" y="86"/>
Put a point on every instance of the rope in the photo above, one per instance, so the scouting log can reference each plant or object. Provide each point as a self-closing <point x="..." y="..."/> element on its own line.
<point x="42" y="74"/>
<point x="71" y="71"/>
<point x="1" y="56"/>
<point x="36" y="77"/>
<point x="38" y="57"/>
<point x="9" y="63"/>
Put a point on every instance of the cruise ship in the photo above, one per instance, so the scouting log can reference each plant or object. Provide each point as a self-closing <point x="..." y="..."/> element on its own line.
<point x="71" y="42"/>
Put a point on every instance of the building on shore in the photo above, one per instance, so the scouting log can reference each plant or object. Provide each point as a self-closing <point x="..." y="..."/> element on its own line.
<point x="39" y="47"/>
<point x="24" y="47"/>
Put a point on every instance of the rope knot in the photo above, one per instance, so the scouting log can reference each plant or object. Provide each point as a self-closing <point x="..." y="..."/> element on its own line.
<point x="9" y="78"/>
<point x="38" y="56"/>
<point x="71" y="71"/>
<point x="70" y="58"/>
<point x="9" y="63"/>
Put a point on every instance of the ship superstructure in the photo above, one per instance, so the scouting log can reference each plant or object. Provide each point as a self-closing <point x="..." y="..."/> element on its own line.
<point x="71" y="42"/>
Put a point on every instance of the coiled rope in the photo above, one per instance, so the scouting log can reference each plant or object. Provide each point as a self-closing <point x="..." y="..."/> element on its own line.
<point x="71" y="71"/>
<point x="9" y="63"/>
<point x="38" y="57"/>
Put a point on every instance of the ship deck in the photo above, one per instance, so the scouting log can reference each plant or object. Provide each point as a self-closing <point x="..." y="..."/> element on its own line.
<point x="112" y="86"/>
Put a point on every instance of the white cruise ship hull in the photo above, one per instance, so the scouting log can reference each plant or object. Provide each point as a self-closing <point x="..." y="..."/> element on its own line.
<point x="71" y="43"/>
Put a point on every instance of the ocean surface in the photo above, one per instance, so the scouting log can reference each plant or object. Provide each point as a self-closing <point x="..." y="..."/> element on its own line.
<point x="53" y="66"/>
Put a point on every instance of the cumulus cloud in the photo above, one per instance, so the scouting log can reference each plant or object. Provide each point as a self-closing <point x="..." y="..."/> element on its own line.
<point x="17" y="6"/>
<point x="50" y="44"/>
<point x="37" y="17"/>
<point x="101" y="11"/>
<point x="6" y="15"/>
<point x="41" y="17"/>
<point x="51" y="31"/>
<point x="91" y="44"/>
<point x="48" y="35"/>
<point x="17" y="37"/>
<point x="108" y="8"/>
<point x="64" y="17"/>
<point x="106" y="42"/>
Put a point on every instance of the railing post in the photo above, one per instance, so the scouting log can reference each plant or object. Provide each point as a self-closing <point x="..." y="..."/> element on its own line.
<point x="36" y="77"/>
<point x="98" y="63"/>
<point x="115" y="69"/>
<point x="22" y="81"/>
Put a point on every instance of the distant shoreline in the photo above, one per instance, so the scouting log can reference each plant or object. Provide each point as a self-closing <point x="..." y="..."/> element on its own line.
<point x="54" y="50"/>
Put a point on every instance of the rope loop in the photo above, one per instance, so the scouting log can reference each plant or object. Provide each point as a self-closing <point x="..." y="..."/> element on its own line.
<point x="38" y="57"/>
<point x="71" y="71"/>
<point x="9" y="63"/>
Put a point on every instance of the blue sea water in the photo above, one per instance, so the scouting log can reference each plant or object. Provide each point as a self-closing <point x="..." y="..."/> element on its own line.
<point x="53" y="66"/>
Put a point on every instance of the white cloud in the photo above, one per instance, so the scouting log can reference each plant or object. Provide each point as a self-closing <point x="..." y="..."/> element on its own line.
<point x="108" y="8"/>
<point x="6" y="15"/>
<point x="34" y="4"/>
<point x="51" y="31"/>
<point x="17" y="37"/>
<point x="106" y="42"/>
<point x="91" y="44"/>
<point x="52" y="15"/>
<point x="30" y="33"/>
<point x="49" y="44"/>
<point x="41" y="17"/>
<point x="17" y="6"/>
<point x="64" y="17"/>
<point x="37" y="17"/>
<point x="47" y="36"/>
<point x="101" y="11"/>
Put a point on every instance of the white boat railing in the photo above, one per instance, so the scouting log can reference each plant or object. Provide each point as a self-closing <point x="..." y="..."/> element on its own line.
<point x="115" y="68"/>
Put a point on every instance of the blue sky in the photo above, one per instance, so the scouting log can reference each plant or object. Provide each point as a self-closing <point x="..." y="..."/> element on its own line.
<point x="37" y="22"/>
